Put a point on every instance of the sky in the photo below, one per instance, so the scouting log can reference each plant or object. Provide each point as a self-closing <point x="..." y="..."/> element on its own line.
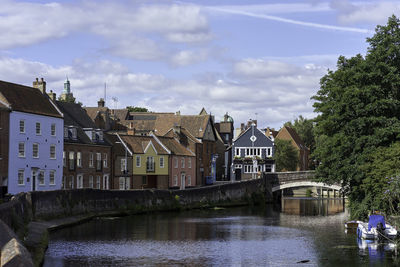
<point x="253" y="59"/>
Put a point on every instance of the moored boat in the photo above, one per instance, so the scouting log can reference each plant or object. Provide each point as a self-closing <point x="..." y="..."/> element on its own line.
<point x="376" y="228"/>
<point x="352" y="224"/>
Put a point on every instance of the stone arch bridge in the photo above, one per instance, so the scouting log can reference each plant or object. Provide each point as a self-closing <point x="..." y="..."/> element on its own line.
<point x="279" y="181"/>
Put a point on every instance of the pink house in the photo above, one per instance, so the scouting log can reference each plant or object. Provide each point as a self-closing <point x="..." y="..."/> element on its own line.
<point x="182" y="164"/>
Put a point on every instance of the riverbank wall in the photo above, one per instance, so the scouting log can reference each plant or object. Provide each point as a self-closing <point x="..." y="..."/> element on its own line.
<point x="29" y="216"/>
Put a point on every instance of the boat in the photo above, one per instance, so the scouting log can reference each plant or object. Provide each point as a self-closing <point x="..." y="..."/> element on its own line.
<point x="376" y="229"/>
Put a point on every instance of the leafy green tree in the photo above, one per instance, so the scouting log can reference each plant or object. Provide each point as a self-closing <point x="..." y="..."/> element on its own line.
<point x="359" y="111"/>
<point x="286" y="157"/>
<point x="136" y="109"/>
<point x="305" y="129"/>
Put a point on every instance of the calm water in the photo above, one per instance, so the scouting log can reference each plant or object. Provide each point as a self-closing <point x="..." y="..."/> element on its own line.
<point x="305" y="230"/>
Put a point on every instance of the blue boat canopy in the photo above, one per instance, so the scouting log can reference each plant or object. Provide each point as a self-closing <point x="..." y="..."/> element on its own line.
<point x="374" y="220"/>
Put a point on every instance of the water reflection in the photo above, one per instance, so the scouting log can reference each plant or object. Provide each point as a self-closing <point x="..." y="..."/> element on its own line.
<point x="312" y="206"/>
<point x="247" y="236"/>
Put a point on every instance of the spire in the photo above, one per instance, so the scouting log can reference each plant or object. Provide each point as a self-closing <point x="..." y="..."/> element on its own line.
<point x="67" y="87"/>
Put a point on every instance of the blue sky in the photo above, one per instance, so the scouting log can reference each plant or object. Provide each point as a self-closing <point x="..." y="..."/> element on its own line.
<point x="252" y="59"/>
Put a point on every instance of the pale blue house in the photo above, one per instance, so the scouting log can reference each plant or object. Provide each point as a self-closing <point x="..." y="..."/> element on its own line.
<point x="35" y="156"/>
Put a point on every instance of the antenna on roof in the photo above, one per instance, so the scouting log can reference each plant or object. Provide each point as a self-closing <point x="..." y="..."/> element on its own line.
<point x="105" y="92"/>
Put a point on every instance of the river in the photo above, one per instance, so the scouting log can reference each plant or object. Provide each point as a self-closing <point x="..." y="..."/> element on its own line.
<point x="299" y="232"/>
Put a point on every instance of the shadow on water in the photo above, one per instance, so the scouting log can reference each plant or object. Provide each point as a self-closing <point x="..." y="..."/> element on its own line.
<point x="297" y="232"/>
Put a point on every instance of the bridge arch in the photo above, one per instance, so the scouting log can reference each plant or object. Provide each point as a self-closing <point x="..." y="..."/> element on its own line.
<point x="304" y="184"/>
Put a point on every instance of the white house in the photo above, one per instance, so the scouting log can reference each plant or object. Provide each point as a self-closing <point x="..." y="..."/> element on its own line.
<point x="35" y="138"/>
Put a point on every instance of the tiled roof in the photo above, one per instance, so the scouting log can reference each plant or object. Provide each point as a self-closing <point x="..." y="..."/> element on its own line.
<point x="296" y="138"/>
<point x="27" y="99"/>
<point x="74" y="114"/>
<point x="93" y="111"/>
<point x="175" y="147"/>
<point x="138" y="144"/>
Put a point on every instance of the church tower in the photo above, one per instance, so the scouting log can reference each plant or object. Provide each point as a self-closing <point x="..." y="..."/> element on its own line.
<point x="66" y="95"/>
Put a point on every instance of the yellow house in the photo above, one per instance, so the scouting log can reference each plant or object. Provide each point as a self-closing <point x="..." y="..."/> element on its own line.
<point x="150" y="161"/>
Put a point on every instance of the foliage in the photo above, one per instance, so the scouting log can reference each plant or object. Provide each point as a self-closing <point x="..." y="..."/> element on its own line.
<point x="305" y="129"/>
<point x="359" y="111"/>
<point x="285" y="156"/>
<point x="136" y="109"/>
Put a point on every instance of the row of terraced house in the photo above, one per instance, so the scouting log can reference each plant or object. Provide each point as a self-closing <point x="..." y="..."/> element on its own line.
<point x="50" y="143"/>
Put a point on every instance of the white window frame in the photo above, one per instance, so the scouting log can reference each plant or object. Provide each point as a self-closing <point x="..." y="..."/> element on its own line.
<point x="53" y="129"/>
<point x="79" y="159"/>
<point x="175" y="180"/>
<point x="238" y="166"/>
<point x="52" y="177"/>
<point x="189" y="179"/>
<point x="176" y="162"/>
<point x="54" y="154"/>
<point x="21" y="180"/>
<point x="35" y="155"/>
<point x="91" y="181"/>
<point x="21" y="152"/>
<point x="105" y="163"/>
<point x="71" y="181"/>
<point x="79" y="181"/>
<point x="123" y="164"/>
<point x="22" y="126"/>
<point x="91" y="160"/>
<point x="183" y="162"/>
<point x="106" y="182"/>
<point x="269" y="152"/>
<point x="38" y="128"/>
<point x="98" y="182"/>
<point x="41" y="178"/>
<point x="237" y="151"/>
<point x="189" y="163"/>
<point x="138" y="161"/>
<point x="162" y="162"/>
<point x="64" y="159"/>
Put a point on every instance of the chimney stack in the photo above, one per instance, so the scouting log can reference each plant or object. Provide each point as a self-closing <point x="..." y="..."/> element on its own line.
<point x="41" y="85"/>
<point x="101" y="103"/>
<point x="52" y="95"/>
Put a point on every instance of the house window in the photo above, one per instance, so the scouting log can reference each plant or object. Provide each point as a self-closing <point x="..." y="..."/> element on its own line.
<point x="63" y="182"/>
<point x="21" y="149"/>
<point x="78" y="159"/>
<point x="41" y="177"/>
<point x="269" y="152"/>
<point x="123" y="165"/>
<point x="35" y="150"/>
<point x="105" y="163"/>
<point x="98" y="181"/>
<point x="52" y="151"/>
<point x="248" y="168"/>
<point x="38" y="130"/>
<point x="138" y="163"/>
<point x="22" y="126"/>
<point x="176" y="163"/>
<point x="106" y="185"/>
<point x="53" y="129"/>
<point x="52" y="177"/>
<point x="21" y="174"/>
<point x="93" y="136"/>
<point x="71" y="182"/>
<point x="144" y="180"/>
<point x="74" y="135"/>
<point x="90" y="181"/>
<point x="150" y="164"/>
<point x="161" y="162"/>
<point x="79" y="181"/>
<point x="189" y="163"/>
<point x="189" y="178"/>
<point x="237" y="152"/>
<point x="71" y="160"/>
<point x="238" y="166"/>
<point x="64" y="160"/>
<point x="183" y="162"/>
<point x="65" y="132"/>
<point x="98" y="161"/>
<point x="175" y="180"/>
<point x="91" y="160"/>
<point x="121" y="183"/>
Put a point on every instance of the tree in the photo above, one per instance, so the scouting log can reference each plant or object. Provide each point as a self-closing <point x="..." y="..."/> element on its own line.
<point x="286" y="157"/>
<point x="136" y="109"/>
<point x="359" y="111"/>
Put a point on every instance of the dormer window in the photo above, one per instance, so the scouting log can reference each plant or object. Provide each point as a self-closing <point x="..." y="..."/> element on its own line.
<point x="65" y="132"/>
<point x="74" y="134"/>
<point x="93" y="136"/>
<point x="100" y="135"/>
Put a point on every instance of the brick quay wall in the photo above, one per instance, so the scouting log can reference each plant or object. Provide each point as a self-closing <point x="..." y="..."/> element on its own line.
<point x="30" y="215"/>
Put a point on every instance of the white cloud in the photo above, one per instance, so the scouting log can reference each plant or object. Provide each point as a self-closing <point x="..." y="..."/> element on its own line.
<point x="365" y="12"/>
